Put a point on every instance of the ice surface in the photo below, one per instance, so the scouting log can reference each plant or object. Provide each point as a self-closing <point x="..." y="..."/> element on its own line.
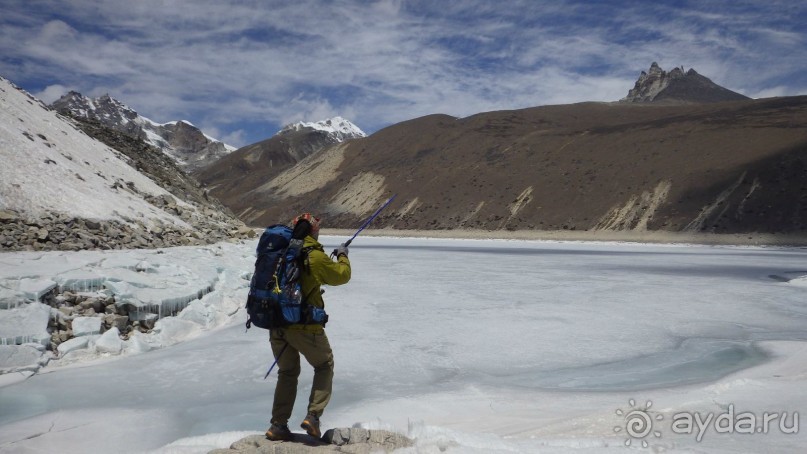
<point x="28" y="323"/>
<point x="73" y="344"/>
<point x="86" y="326"/>
<point x="15" y="358"/>
<point x="10" y="299"/>
<point x="470" y="346"/>
<point x="34" y="289"/>
<point x="80" y="281"/>
<point x="151" y="283"/>
<point x="109" y="342"/>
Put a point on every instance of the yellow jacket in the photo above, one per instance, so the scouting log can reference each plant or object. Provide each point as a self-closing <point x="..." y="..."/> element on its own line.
<point x="320" y="269"/>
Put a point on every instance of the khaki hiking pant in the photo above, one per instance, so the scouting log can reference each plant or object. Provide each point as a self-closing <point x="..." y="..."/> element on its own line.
<point x="315" y="348"/>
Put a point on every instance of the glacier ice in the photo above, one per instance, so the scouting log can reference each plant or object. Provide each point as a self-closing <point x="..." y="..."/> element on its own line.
<point x="70" y="345"/>
<point x="86" y="326"/>
<point x="109" y="342"/>
<point x="25" y="324"/>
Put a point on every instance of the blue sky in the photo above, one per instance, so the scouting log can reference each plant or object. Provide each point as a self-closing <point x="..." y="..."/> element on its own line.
<point x="241" y="70"/>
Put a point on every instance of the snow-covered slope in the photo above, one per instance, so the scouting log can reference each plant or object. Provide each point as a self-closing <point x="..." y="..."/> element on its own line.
<point x="50" y="166"/>
<point x="181" y="140"/>
<point x="337" y="128"/>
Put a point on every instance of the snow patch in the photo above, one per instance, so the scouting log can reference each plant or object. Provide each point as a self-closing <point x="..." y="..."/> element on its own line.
<point x="337" y="127"/>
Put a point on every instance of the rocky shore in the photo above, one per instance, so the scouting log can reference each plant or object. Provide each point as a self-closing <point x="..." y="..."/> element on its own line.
<point x="629" y="236"/>
<point x="59" y="231"/>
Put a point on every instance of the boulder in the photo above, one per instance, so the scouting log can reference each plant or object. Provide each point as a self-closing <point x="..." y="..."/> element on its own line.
<point x="92" y="225"/>
<point x="114" y="320"/>
<point x="341" y="440"/>
<point x="148" y="321"/>
<point x="7" y="216"/>
<point x="42" y="234"/>
<point x="377" y="439"/>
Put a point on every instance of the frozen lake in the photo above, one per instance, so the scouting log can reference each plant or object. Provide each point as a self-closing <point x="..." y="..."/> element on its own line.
<point x="475" y="346"/>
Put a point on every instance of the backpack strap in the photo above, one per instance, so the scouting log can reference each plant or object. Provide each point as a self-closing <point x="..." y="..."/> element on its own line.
<point x="306" y="265"/>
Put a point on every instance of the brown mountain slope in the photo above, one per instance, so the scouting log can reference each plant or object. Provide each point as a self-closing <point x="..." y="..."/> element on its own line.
<point x="724" y="167"/>
<point x="231" y="177"/>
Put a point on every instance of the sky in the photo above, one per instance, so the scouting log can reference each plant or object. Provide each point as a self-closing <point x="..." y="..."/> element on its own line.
<point x="241" y="70"/>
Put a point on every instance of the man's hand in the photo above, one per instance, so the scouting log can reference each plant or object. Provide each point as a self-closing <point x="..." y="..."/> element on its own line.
<point x="341" y="250"/>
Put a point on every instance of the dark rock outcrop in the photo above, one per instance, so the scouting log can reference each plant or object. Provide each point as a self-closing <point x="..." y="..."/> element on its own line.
<point x="677" y="86"/>
<point x="182" y="141"/>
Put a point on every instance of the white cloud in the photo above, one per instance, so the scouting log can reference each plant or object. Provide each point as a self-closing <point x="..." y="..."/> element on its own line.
<point x="236" y="138"/>
<point x="51" y="93"/>
<point x="382" y="62"/>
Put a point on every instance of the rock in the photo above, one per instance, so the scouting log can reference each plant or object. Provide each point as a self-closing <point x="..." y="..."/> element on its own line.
<point x="377" y="439"/>
<point x="64" y="320"/>
<point x="94" y="303"/>
<point x="42" y="234"/>
<point x="92" y="225"/>
<point x="7" y="216"/>
<point x="116" y="321"/>
<point x="244" y="231"/>
<point x="148" y="321"/>
<point x="67" y="310"/>
<point x="342" y="440"/>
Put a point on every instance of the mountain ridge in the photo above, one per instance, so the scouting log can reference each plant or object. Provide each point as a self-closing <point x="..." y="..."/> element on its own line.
<point x="60" y="188"/>
<point x="724" y="167"/>
<point x="229" y="179"/>
<point x="677" y="86"/>
<point x="181" y="140"/>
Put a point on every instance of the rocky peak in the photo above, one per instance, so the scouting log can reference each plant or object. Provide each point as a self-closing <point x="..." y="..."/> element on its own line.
<point x="183" y="142"/>
<point x="677" y="86"/>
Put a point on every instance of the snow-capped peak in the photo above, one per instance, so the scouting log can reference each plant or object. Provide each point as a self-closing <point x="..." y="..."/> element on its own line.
<point x="191" y="148"/>
<point x="339" y="128"/>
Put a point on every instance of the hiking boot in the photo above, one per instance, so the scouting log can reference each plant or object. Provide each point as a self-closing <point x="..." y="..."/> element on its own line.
<point x="311" y="425"/>
<point x="278" y="432"/>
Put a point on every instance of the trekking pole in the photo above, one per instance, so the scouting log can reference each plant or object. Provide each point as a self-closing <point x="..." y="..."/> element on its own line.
<point x="276" y="360"/>
<point x="370" y="219"/>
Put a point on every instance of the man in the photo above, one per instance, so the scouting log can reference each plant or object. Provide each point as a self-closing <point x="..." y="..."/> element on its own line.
<point x="307" y="339"/>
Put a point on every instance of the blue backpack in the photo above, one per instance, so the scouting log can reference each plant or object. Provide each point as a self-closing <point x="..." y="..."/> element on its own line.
<point x="275" y="297"/>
